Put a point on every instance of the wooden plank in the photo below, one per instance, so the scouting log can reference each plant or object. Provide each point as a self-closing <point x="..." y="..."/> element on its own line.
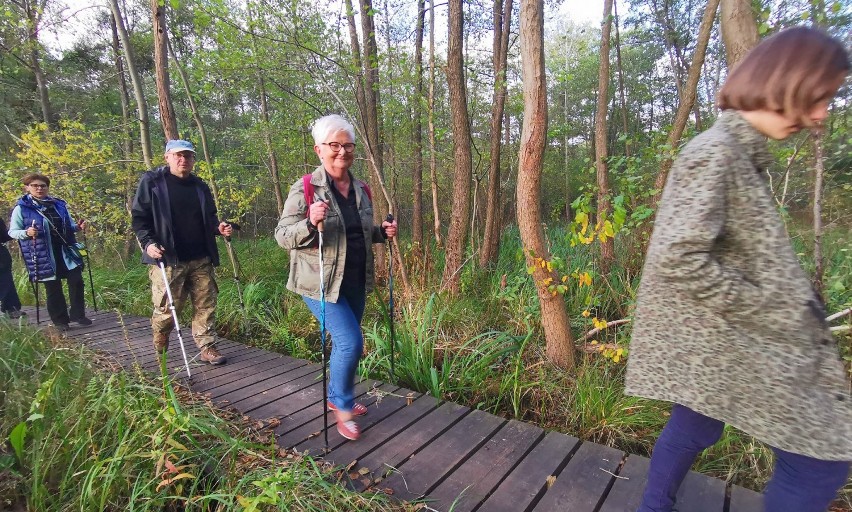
<point x="379" y="407"/>
<point x="383" y="431"/>
<point x="308" y="412"/>
<point x="626" y="492"/>
<point x="421" y="472"/>
<point x="582" y="485"/>
<point x="701" y="493"/>
<point x="216" y="387"/>
<point x="233" y="370"/>
<point x="474" y="480"/>
<point x="411" y="440"/>
<point x="745" y="500"/>
<point x="528" y="480"/>
<point x="251" y="396"/>
<point x="308" y="439"/>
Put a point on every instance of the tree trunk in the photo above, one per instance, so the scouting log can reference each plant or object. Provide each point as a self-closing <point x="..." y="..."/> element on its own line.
<point x="604" y="206"/>
<point x="462" y="159"/>
<point x="33" y="13"/>
<point x="360" y="100"/>
<point x="621" y="83"/>
<point x="417" y="130"/>
<point x="739" y="29"/>
<point x="264" y="118"/>
<point x="493" y="212"/>
<point x="161" y="64"/>
<point x="125" y="115"/>
<point x="138" y="91"/>
<point x="687" y="98"/>
<point x="201" y="131"/>
<point x="554" y="316"/>
<point x="372" y="116"/>
<point x="433" y="165"/>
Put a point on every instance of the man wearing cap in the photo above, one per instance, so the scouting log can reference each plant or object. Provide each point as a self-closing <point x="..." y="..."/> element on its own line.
<point x="174" y="219"/>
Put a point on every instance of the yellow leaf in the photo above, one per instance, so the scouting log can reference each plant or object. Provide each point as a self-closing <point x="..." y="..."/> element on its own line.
<point x="564" y="278"/>
<point x="586" y="314"/>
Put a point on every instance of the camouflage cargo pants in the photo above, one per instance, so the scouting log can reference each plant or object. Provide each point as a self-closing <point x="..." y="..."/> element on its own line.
<point x="194" y="278"/>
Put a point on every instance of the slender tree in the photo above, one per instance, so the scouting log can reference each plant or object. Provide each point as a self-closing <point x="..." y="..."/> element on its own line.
<point x="554" y="316"/>
<point x="433" y="163"/>
<point x="457" y="237"/>
<point x="604" y="205"/>
<point x="161" y="64"/>
<point x="493" y="212"/>
<point x="687" y="98"/>
<point x="136" y="81"/>
<point x="264" y="117"/>
<point x="417" y="129"/>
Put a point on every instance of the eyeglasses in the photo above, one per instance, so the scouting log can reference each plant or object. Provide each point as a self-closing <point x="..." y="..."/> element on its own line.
<point x="349" y="147"/>
<point x="38" y="185"/>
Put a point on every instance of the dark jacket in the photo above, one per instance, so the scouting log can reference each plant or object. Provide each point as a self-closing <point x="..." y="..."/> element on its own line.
<point x="152" y="216"/>
<point x="25" y="213"/>
<point x="5" y="257"/>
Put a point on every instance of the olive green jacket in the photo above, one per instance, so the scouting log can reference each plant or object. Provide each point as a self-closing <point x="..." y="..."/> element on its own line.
<point x="726" y="320"/>
<point x="293" y="234"/>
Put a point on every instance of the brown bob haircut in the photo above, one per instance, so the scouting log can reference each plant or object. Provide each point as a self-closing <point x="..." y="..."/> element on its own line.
<point x="29" y="178"/>
<point x="789" y="73"/>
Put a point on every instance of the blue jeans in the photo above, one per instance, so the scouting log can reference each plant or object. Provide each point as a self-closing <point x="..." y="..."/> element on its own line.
<point x="343" y="321"/>
<point x="799" y="483"/>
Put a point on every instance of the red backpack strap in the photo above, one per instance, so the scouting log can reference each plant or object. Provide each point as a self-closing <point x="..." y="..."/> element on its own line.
<point x="366" y="189"/>
<point x="309" y="193"/>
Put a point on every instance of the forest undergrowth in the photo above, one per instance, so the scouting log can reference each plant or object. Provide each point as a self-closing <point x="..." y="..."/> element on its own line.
<point x="484" y="348"/>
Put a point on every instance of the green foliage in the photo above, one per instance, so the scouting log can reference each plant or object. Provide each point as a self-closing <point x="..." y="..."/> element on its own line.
<point x="104" y="441"/>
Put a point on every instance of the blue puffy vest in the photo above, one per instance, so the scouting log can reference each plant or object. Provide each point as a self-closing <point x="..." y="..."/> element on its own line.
<point x="42" y="250"/>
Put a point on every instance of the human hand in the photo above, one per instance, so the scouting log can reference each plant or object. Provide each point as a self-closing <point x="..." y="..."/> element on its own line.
<point x="154" y="251"/>
<point x="317" y="212"/>
<point x="32" y="232"/>
<point x="389" y="228"/>
<point x="81" y="225"/>
<point x="225" y="228"/>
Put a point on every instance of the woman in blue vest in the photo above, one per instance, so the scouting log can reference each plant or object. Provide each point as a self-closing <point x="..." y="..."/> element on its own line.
<point x="45" y="231"/>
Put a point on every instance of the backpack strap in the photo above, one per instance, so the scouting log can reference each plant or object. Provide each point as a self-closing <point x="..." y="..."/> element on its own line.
<point x="309" y="193"/>
<point x="366" y="189"/>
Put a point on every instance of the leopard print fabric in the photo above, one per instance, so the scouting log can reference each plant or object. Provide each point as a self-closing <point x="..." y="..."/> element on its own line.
<point x="726" y="320"/>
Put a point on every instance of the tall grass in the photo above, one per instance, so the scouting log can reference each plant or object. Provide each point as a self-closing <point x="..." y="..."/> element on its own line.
<point x="87" y="440"/>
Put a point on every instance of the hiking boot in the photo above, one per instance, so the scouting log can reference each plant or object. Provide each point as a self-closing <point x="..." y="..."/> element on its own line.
<point x="357" y="409"/>
<point x="161" y="343"/>
<point x="83" y="321"/>
<point x="62" y="327"/>
<point x="15" y="314"/>
<point x="210" y="355"/>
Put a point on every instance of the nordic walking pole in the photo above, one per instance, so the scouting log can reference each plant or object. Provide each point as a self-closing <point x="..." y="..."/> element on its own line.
<point x="322" y="338"/>
<point x="89" y="266"/>
<point x="35" y="272"/>
<point x="236" y="266"/>
<point x="390" y="302"/>
<point x="174" y="313"/>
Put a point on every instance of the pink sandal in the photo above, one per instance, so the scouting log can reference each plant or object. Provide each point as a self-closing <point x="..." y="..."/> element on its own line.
<point x="357" y="409"/>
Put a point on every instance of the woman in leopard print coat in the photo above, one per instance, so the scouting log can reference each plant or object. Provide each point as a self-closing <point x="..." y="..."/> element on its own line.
<point x="727" y="326"/>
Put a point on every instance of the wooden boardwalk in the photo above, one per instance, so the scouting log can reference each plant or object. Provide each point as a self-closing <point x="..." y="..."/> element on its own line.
<point x="412" y="445"/>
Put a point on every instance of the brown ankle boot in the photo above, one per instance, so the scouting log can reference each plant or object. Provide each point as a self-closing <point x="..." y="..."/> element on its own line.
<point x="161" y="342"/>
<point x="209" y="354"/>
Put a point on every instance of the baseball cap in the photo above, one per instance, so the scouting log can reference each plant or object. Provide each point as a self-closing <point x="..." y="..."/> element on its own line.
<point x="176" y="146"/>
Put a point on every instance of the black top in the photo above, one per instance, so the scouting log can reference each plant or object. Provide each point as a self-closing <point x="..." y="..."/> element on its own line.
<point x="187" y="221"/>
<point x="59" y="229"/>
<point x="355" y="269"/>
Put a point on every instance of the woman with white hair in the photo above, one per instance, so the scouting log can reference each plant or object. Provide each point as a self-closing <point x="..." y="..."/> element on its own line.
<point x="331" y="195"/>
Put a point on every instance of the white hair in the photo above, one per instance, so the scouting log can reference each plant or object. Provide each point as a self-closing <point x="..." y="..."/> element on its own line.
<point x="327" y="125"/>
